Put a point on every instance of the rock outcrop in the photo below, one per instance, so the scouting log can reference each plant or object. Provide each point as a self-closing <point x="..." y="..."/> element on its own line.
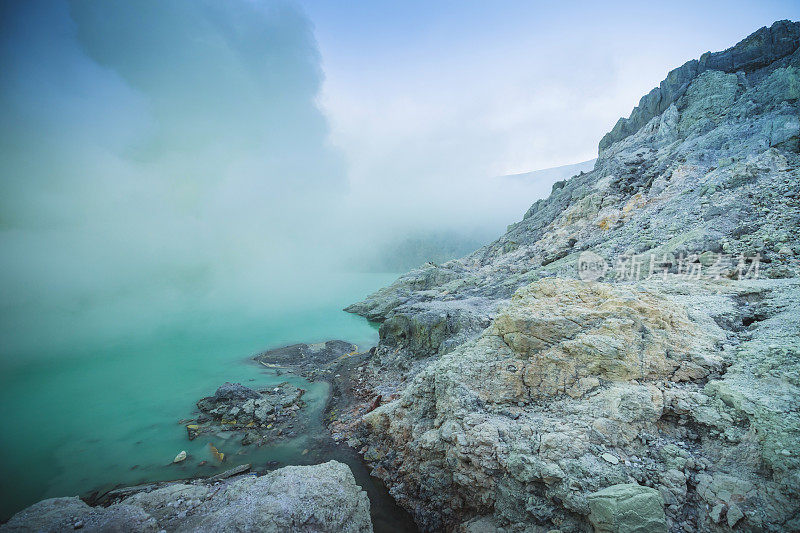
<point x="577" y="386"/>
<point x="311" y="361"/>
<point x="320" y="498"/>
<point x="638" y="328"/>
<point x="762" y="50"/>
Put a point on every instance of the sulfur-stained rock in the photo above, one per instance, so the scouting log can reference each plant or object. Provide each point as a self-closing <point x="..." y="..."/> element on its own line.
<point x="569" y="330"/>
<point x="192" y="430"/>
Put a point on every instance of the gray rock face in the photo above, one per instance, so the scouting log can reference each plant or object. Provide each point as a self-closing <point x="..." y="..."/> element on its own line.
<point x="518" y="390"/>
<point x="577" y="386"/>
<point x="758" y="51"/>
<point x="320" y="498"/>
<point x="67" y="514"/>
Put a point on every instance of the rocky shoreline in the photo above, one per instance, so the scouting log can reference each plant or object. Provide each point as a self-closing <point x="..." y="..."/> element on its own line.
<point x="260" y="417"/>
<point x="343" y="367"/>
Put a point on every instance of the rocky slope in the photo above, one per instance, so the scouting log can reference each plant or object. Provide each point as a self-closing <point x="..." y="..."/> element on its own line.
<point x="320" y="498"/>
<point x="626" y="357"/>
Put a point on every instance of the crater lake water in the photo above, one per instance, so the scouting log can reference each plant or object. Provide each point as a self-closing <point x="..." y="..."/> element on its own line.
<point x="84" y="411"/>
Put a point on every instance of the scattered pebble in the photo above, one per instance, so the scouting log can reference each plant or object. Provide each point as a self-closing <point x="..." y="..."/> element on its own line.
<point x="610" y="458"/>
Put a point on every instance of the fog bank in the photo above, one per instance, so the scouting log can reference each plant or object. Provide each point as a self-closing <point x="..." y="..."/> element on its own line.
<point x="160" y="152"/>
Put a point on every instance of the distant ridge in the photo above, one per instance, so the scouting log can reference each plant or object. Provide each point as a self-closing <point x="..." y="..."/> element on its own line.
<point x="555" y="173"/>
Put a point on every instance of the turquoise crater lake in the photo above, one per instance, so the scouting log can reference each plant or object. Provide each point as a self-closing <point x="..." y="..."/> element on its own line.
<point x="95" y="400"/>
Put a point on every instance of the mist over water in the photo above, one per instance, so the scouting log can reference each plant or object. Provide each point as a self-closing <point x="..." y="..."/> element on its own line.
<point x="158" y="157"/>
<point x="169" y="207"/>
<point x="159" y="152"/>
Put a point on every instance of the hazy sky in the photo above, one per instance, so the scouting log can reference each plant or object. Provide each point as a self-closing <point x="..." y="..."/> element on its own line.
<point x="442" y="92"/>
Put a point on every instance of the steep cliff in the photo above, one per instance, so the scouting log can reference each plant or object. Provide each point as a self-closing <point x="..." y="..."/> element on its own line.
<point x="631" y="344"/>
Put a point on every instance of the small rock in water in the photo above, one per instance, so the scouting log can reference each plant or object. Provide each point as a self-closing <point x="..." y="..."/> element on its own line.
<point x="192" y="430"/>
<point x="180" y="457"/>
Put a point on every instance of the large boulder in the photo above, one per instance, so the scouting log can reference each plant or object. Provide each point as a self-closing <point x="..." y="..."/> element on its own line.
<point x="320" y="498"/>
<point x="627" y="508"/>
